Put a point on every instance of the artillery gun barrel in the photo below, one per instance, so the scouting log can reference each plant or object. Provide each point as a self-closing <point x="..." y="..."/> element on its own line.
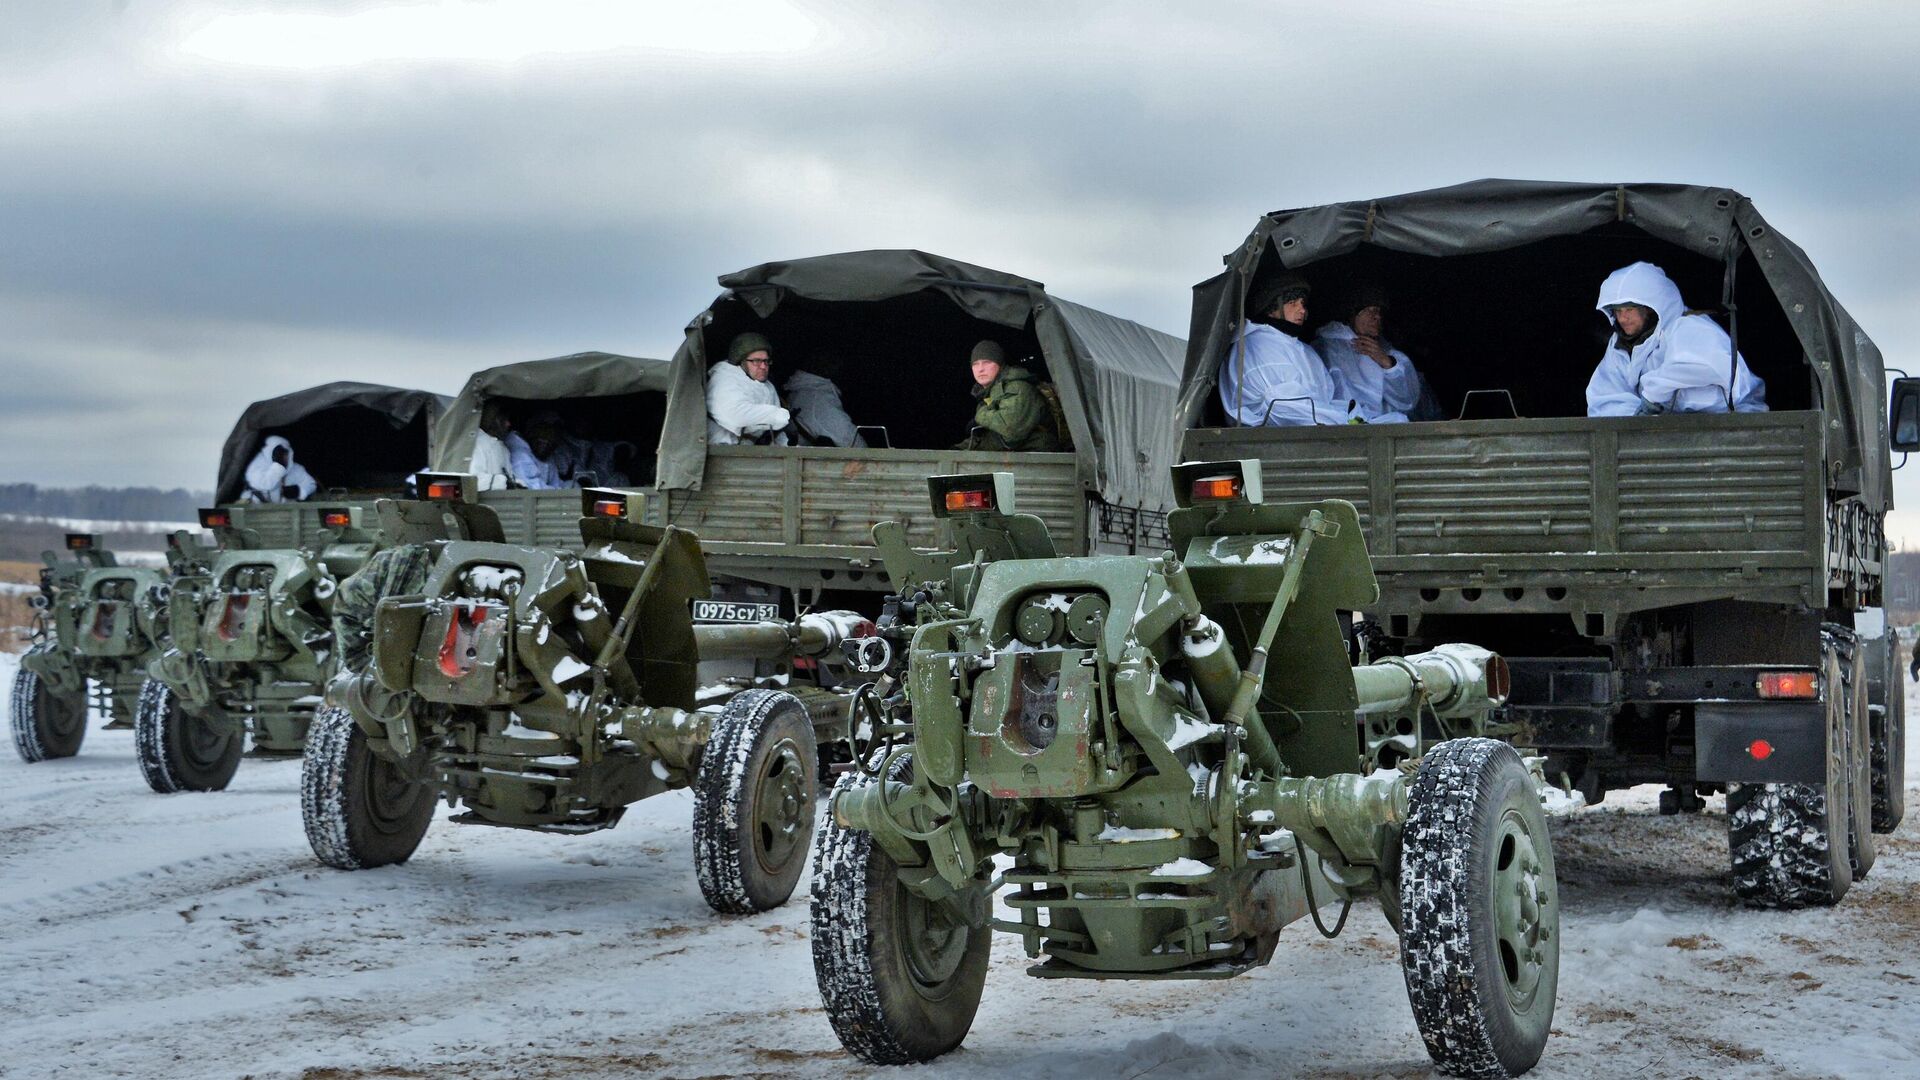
<point x="1457" y="681"/>
<point x="814" y="634"/>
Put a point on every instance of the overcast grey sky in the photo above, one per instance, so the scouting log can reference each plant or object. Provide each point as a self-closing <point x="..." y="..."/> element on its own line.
<point x="207" y="203"/>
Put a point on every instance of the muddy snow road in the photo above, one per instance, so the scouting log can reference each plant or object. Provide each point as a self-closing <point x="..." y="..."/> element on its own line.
<point x="193" y="935"/>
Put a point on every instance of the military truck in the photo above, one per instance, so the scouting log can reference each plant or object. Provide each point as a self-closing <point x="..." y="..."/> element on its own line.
<point x="1159" y="762"/>
<point x="1689" y="600"/>
<point x="96" y="624"/>
<point x="603" y="400"/>
<point x="895" y="328"/>
<point x="549" y="688"/>
<point x="250" y="618"/>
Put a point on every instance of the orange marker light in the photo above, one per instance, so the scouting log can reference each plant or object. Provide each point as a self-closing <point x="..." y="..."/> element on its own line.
<point x="79" y="542"/>
<point x="1217" y="487"/>
<point x="1787" y="684"/>
<point x="972" y="499"/>
<point x="215" y="519"/>
<point x="443" y="490"/>
<point x="612" y="508"/>
<point x="1759" y="749"/>
<point x="336" y="519"/>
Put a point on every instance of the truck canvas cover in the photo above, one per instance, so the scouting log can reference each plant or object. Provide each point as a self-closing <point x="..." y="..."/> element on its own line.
<point x="351" y="435"/>
<point x="1770" y="277"/>
<point x="1118" y="381"/>
<point x="581" y="375"/>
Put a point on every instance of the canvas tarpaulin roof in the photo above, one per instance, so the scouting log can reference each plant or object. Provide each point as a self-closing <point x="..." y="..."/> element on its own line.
<point x="1495" y="215"/>
<point x="581" y="375"/>
<point x="1118" y="381"/>
<point x="399" y="407"/>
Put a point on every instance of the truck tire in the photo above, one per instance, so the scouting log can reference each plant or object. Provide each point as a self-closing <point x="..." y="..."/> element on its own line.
<point x="1861" y="847"/>
<point x="1790" y="842"/>
<point x="179" y="750"/>
<point x="1888" y="756"/>
<point x="46" y="723"/>
<point x="753" y="802"/>
<point x="1479" y="910"/>
<point x="359" y="808"/>
<point x="900" y="979"/>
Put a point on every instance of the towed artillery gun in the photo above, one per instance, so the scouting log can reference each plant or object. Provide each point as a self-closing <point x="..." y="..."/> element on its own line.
<point x="250" y="650"/>
<point x="549" y="689"/>
<point x="95" y="622"/>
<point x="1156" y="763"/>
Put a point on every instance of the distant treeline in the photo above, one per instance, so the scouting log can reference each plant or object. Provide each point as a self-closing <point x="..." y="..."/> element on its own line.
<point x="103" y="503"/>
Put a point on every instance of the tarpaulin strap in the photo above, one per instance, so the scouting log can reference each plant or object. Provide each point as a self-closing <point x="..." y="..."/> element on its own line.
<point x="1733" y="316"/>
<point x="1620" y="203"/>
<point x="1373" y="210"/>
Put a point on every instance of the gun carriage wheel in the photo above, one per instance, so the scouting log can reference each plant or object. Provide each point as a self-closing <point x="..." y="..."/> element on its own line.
<point x="181" y="750"/>
<point x="46" y="723"/>
<point x="361" y="810"/>
<point x="754" y="802"/>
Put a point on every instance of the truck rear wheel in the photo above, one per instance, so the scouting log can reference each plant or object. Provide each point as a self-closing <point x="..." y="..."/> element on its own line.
<point x="1791" y="843"/>
<point x="360" y="809"/>
<point x="901" y="978"/>
<point x="753" y="805"/>
<point x="46" y="723"/>
<point x="1888" y="755"/>
<point x="1861" y="848"/>
<point x="180" y="750"/>
<point x="1479" y="910"/>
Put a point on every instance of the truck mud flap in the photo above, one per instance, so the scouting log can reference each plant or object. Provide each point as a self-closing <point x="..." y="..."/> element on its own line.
<point x="1775" y="742"/>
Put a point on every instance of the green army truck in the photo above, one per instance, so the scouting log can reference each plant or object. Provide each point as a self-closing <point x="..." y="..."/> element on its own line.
<point x="249" y="618"/>
<point x="893" y="330"/>
<point x="1157" y="763"/>
<point x="1685" y="599"/>
<point x="96" y="625"/>
<point x="609" y="409"/>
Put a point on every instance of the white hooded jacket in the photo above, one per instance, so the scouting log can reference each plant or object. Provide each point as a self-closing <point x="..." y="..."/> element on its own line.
<point x="1376" y="390"/>
<point x="740" y="409"/>
<point x="267" y="478"/>
<point x="1279" y="381"/>
<point x="1681" y="367"/>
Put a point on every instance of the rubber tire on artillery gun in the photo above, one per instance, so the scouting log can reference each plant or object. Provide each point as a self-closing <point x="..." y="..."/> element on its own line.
<point x="900" y="977"/>
<point x="1479" y="910"/>
<point x="753" y="802"/>
<point x="360" y="809"/>
<point x="46" y="723"/>
<point x="180" y="750"/>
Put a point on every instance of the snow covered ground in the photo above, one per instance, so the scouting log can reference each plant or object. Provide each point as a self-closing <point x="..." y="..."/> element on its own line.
<point x="192" y="935"/>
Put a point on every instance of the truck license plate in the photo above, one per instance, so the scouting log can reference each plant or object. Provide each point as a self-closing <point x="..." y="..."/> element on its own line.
<point x="727" y="611"/>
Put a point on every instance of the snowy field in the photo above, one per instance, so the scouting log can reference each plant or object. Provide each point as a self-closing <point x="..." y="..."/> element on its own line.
<point x="192" y="935"/>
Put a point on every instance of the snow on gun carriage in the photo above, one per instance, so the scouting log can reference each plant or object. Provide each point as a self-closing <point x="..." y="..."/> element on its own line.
<point x="96" y="625"/>
<point x="1169" y="757"/>
<point x="550" y="688"/>
<point x="250" y="618"/>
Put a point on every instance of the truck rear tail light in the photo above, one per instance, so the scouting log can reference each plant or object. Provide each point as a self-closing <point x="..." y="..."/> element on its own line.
<point x="443" y="489"/>
<point x="1759" y="749"/>
<point x="79" y="542"/>
<point x="1788" y="684"/>
<point x="969" y="499"/>
<point x="1216" y="488"/>
<point x="612" y="508"/>
<point x="335" y="519"/>
<point x="215" y="519"/>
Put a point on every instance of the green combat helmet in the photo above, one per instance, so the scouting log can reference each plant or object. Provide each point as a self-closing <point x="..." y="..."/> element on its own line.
<point x="1160" y="762"/>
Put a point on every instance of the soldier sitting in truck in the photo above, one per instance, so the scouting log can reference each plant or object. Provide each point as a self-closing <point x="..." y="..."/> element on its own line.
<point x="1663" y="358"/>
<point x="1013" y="413"/>
<point x="742" y="405"/>
<point x="536" y="458"/>
<point x="273" y="476"/>
<point x="1273" y="377"/>
<point x="1380" y="377"/>
<point x="492" y="447"/>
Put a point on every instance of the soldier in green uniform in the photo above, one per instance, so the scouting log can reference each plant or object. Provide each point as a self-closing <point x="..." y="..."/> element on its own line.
<point x="397" y="571"/>
<point x="1013" y="413"/>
